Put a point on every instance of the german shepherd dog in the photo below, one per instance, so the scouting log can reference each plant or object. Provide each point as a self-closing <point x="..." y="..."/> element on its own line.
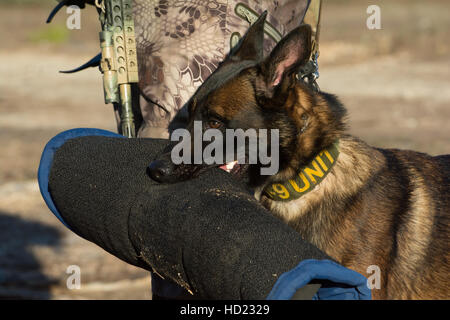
<point x="387" y="208"/>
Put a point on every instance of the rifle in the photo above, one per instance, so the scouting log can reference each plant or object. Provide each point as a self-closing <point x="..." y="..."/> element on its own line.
<point x="118" y="59"/>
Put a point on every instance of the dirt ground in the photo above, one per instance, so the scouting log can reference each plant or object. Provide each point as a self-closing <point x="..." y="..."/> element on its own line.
<point x="395" y="83"/>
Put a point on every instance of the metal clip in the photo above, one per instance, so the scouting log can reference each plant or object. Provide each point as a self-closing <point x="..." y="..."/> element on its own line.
<point x="310" y="72"/>
<point x="101" y="5"/>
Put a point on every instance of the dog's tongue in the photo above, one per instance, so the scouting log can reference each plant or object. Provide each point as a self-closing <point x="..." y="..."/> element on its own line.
<point x="228" y="166"/>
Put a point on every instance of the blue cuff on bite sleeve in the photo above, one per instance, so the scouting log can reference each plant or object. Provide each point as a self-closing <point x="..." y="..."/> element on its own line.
<point x="342" y="283"/>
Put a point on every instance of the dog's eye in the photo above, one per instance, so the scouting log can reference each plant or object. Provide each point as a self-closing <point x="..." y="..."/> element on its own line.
<point x="214" y="124"/>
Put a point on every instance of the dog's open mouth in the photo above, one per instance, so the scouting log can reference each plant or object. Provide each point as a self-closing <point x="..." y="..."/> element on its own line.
<point x="228" y="167"/>
<point x="234" y="168"/>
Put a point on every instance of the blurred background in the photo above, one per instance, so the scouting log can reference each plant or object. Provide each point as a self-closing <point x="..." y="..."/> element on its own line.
<point x="395" y="83"/>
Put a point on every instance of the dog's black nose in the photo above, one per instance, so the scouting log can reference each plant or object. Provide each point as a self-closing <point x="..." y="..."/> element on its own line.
<point x="159" y="170"/>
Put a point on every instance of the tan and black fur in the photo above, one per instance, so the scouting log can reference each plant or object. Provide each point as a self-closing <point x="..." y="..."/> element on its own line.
<point x="383" y="207"/>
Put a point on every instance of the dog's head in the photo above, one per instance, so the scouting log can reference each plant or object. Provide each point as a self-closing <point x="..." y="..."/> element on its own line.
<point x="248" y="91"/>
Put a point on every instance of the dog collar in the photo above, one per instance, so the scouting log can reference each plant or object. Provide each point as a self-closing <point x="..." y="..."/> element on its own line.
<point x="307" y="179"/>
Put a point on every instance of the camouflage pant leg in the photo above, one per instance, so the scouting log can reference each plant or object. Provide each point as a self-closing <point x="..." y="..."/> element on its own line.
<point x="180" y="43"/>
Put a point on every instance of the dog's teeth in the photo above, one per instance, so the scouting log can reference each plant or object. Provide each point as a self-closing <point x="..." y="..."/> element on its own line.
<point x="228" y="166"/>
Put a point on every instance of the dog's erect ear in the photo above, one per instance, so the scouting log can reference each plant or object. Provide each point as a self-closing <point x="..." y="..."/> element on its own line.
<point x="289" y="54"/>
<point x="250" y="47"/>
